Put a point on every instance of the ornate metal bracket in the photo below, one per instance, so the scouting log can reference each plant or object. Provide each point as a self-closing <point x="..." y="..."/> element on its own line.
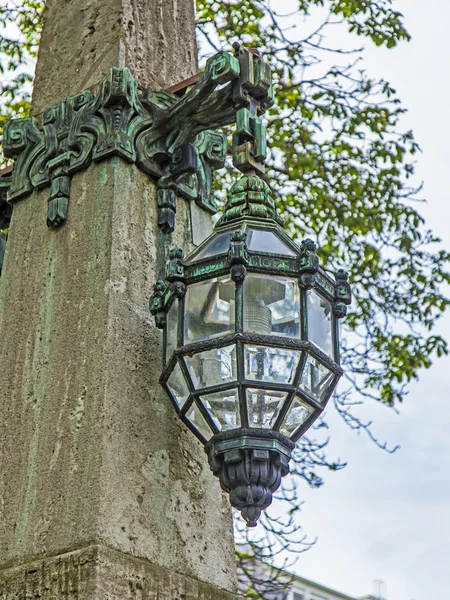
<point x="169" y="137"/>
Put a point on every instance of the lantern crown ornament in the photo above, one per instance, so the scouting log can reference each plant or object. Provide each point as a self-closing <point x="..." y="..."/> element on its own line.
<point x="251" y="350"/>
<point x="249" y="196"/>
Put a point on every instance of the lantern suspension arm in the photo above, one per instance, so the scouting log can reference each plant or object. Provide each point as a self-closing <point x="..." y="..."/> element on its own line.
<point x="202" y="109"/>
<point x="246" y="97"/>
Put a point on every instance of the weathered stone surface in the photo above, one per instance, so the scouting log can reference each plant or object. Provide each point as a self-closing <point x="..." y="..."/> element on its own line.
<point x="99" y="573"/>
<point x="91" y="450"/>
<point x="155" y="39"/>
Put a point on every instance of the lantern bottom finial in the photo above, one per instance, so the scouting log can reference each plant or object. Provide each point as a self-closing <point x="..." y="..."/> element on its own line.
<point x="249" y="464"/>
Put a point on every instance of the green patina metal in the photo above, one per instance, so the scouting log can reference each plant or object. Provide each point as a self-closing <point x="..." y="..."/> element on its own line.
<point x="174" y="139"/>
<point x="171" y="138"/>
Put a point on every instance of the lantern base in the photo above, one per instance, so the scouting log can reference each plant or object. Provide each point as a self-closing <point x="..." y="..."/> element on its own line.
<point x="249" y="464"/>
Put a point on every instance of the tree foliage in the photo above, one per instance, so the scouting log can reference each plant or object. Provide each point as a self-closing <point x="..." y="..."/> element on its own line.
<point x="343" y="173"/>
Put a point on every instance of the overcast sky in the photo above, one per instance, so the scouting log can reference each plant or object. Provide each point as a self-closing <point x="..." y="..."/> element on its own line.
<point x="387" y="516"/>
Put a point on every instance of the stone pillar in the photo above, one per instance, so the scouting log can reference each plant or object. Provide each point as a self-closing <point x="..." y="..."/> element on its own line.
<point x="103" y="492"/>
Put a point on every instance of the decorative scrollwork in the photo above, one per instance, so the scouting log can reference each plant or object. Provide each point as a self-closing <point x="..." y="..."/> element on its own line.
<point x="238" y="254"/>
<point x="157" y="304"/>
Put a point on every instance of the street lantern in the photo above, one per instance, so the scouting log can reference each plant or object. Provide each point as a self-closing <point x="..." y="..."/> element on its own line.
<point x="251" y="349"/>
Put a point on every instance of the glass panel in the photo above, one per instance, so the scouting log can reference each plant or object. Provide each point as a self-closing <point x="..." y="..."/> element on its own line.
<point x="271" y="305"/>
<point x="264" y="407"/>
<point x="276" y="365"/>
<point x="223" y="408"/>
<point x="316" y="378"/>
<point x="296" y="416"/>
<point x="215" y="246"/>
<point x="267" y="242"/>
<point x="172" y="329"/>
<point x="209" y="309"/>
<point x="178" y="386"/>
<point x="336" y="339"/>
<point x="198" y="420"/>
<point x="212" y="367"/>
<point x="319" y="322"/>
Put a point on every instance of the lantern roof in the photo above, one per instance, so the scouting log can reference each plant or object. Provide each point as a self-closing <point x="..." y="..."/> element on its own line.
<point x="251" y="209"/>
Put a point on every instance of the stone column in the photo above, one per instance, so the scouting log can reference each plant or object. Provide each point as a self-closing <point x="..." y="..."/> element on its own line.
<point x="103" y="491"/>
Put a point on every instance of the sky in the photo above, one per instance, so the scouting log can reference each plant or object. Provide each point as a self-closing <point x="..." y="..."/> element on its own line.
<point x="386" y="517"/>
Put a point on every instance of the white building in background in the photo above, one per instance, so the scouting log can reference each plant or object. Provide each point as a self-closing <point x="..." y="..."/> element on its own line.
<point x="276" y="584"/>
<point x="305" y="589"/>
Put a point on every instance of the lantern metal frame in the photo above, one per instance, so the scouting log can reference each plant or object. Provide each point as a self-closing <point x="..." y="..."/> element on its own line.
<point x="248" y="196"/>
<point x="240" y="339"/>
<point x="249" y="458"/>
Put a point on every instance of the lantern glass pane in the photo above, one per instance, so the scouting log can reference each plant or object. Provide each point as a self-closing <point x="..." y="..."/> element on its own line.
<point x="316" y="379"/>
<point x="319" y="322"/>
<point x="275" y="365"/>
<point x="215" y="246"/>
<point x="195" y="417"/>
<point x="297" y="414"/>
<point x="263" y="407"/>
<point x="271" y="305"/>
<point x="172" y="329"/>
<point x="212" y="367"/>
<point x="178" y="386"/>
<point x="223" y="408"/>
<point x="209" y="309"/>
<point x="267" y="242"/>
